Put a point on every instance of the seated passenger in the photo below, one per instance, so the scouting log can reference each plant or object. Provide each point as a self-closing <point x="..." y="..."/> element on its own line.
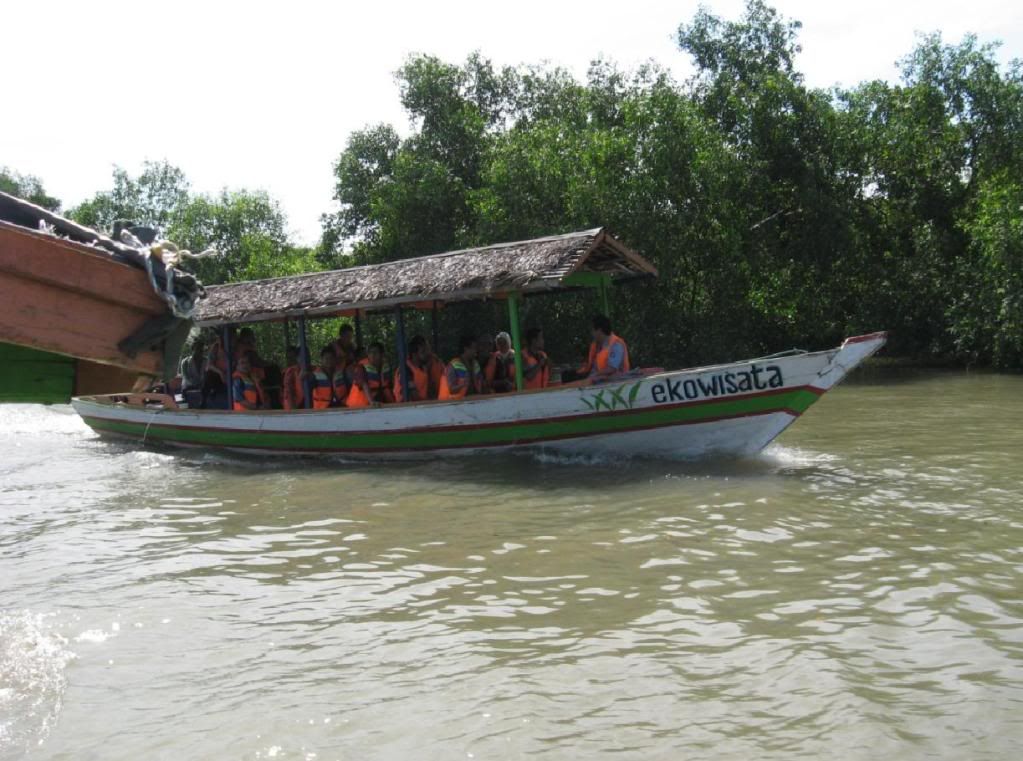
<point x="246" y="389"/>
<point x="500" y="370"/>
<point x="369" y="385"/>
<point x="536" y="368"/>
<point x="216" y="360"/>
<point x="418" y="372"/>
<point x="293" y="387"/>
<point x="329" y="385"/>
<point x="344" y="346"/>
<point x="246" y="344"/>
<point x="608" y="353"/>
<point x="462" y="376"/>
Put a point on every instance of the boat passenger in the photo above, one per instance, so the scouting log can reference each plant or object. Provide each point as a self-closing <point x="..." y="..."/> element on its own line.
<point x="216" y="361"/>
<point x="192" y="367"/>
<point x="293" y="387"/>
<point x="418" y="372"/>
<point x="500" y="370"/>
<point x="246" y="389"/>
<point x="329" y="385"/>
<point x="462" y="376"/>
<point x="246" y="344"/>
<point x="608" y="353"/>
<point x="369" y="384"/>
<point x="344" y="346"/>
<point x="536" y="368"/>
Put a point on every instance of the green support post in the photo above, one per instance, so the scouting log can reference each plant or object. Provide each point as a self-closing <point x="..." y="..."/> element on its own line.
<point x="513" y="318"/>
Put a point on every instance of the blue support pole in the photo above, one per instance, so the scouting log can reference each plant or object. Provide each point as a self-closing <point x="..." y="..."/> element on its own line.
<point x="229" y="359"/>
<point x="402" y="355"/>
<point x="303" y="358"/>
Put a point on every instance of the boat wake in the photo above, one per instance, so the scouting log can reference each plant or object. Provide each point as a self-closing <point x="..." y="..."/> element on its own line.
<point x="41" y="419"/>
<point x="33" y="662"/>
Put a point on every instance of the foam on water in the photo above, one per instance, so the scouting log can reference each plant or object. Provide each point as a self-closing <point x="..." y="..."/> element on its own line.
<point x="33" y="663"/>
<point x="37" y="419"/>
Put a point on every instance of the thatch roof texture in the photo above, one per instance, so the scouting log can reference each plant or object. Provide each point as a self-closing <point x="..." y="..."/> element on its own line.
<point x="529" y="266"/>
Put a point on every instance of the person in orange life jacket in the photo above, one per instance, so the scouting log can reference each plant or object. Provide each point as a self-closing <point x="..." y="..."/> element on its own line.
<point x="293" y="393"/>
<point x="344" y="346"/>
<point x="369" y="383"/>
<point x="247" y="345"/>
<point x="463" y="375"/>
<point x="608" y="353"/>
<point x="536" y="368"/>
<point x="418" y="372"/>
<point x="434" y="371"/>
<point x="500" y="370"/>
<point x="246" y="389"/>
<point x="329" y="385"/>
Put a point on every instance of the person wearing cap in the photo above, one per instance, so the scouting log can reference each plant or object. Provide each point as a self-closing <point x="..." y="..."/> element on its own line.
<point x="500" y="369"/>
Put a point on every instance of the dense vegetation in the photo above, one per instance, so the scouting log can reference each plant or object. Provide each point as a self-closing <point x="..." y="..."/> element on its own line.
<point x="779" y="215"/>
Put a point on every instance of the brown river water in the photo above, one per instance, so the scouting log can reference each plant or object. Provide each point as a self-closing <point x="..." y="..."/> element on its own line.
<point x="852" y="593"/>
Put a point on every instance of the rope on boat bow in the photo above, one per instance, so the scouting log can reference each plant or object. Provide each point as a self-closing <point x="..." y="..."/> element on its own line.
<point x="180" y="297"/>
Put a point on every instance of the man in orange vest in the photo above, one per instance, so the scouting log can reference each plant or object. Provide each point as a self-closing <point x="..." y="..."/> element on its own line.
<point x="463" y="375"/>
<point x="536" y="368"/>
<point x="329" y="385"/>
<point x="247" y="391"/>
<point x="369" y="385"/>
<point x="418" y="372"/>
<point x="293" y="392"/>
<point x="608" y="353"/>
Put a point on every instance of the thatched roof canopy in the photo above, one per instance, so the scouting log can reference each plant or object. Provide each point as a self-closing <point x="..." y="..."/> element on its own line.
<point x="530" y="266"/>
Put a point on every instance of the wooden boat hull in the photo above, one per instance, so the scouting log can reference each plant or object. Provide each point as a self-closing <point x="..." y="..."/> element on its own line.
<point x="730" y="410"/>
<point x="67" y="298"/>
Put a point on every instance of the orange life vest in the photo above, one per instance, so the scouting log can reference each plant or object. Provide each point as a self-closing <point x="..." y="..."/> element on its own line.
<point x="419" y="382"/>
<point x="465" y="378"/>
<point x="326" y="390"/>
<point x="250" y="390"/>
<point x="375" y="381"/>
<point x="599" y="356"/>
<point x="293" y="389"/>
<point x="435" y="371"/>
<point x="542" y="378"/>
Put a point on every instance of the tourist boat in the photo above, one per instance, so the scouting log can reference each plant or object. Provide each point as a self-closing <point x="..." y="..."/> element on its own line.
<point x="730" y="409"/>
<point x="70" y="291"/>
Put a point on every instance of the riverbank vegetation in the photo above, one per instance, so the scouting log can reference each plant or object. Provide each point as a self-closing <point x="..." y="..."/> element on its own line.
<point x="778" y="214"/>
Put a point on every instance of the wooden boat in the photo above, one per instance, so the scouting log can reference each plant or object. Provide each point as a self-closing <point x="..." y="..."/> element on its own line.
<point x="732" y="409"/>
<point x="67" y="290"/>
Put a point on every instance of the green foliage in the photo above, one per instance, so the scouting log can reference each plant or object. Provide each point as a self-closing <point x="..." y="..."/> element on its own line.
<point x="150" y="199"/>
<point x="777" y="214"/>
<point x="28" y="187"/>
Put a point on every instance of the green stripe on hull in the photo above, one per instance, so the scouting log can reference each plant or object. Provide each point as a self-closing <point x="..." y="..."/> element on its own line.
<point x="497" y="435"/>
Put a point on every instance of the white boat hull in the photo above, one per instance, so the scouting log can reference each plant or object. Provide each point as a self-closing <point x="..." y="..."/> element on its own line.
<point x="734" y="409"/>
